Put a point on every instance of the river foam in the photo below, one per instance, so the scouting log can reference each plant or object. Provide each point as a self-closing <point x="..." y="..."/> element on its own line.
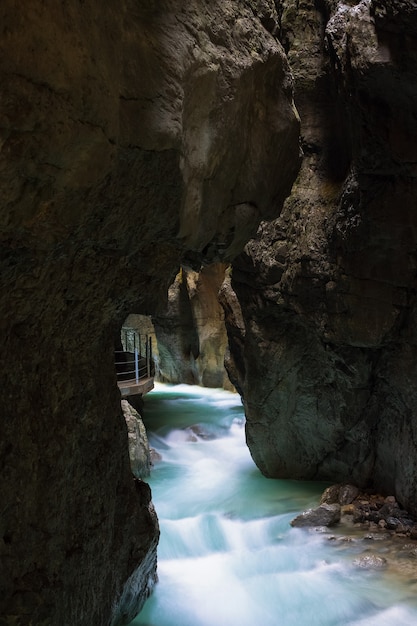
<point x="228" y="555"/>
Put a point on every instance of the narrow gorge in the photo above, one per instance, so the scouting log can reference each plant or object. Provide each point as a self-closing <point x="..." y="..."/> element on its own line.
<point x="327" y="291"/>
<point x="273" y="141"/>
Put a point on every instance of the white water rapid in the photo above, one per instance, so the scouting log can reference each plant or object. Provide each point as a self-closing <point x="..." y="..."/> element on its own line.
<point x="228" y="555"/>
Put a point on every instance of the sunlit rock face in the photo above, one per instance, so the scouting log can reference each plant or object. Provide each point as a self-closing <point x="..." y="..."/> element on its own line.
<point x="134" y="136"/>
<point x="188" y="335"/>
<point x="328" y="363"/>
<point x="191" y="334"/>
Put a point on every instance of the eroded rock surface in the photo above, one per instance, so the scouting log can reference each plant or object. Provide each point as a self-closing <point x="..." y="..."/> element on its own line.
<point x="134" y="136"/>
<point x="327" y="291"/>
<point x="139" y="452"/>
<point x="323" y="515"/>
<point x="191" y="334"/>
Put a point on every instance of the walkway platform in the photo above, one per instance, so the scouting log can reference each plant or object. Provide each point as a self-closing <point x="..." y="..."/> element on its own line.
<point x="135" y="368"/>
<point x="133" y="388"/>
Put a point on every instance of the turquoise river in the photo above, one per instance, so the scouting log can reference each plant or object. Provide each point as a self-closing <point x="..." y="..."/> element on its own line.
<point x="228" y="555"/>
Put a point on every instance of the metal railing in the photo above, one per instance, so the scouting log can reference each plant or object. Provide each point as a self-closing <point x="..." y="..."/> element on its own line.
<point x="132" y="365"/>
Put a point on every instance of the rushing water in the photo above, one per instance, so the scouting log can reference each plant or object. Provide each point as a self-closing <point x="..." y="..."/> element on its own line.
<point x="228" y="555"/>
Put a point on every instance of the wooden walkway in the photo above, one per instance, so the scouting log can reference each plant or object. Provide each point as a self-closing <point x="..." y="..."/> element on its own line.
<point x="135" y="367"/>
<point x="133" y="388"/>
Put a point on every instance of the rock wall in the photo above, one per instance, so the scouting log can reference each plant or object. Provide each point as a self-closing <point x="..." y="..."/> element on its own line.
<point x="191" y="334"/>
<point x="189" y="339"/>
<point x="138" y="444"/>
<point x="326" y="354"/>
<point x="134" y="137"/>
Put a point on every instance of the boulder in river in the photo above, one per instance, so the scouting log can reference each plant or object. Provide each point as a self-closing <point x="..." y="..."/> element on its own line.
<point x="341" y="494"/>
<point x="323" y="515"/>
<point x="370" y="561"/>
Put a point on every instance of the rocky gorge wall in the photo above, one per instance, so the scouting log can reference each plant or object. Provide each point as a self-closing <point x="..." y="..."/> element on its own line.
<point x="323" y="342"/>
<point x="134" y="137"/>
<point x="189" y="339"/>
<point x="191" y="334"/>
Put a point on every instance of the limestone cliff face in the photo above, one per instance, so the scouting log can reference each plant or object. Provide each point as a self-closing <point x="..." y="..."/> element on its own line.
<point x="138" y="444"/>
<point x="189" y="339"/>
<point x="134" y="136"/>
<point x="191" y="334"/>
<point x="326" y="356"/>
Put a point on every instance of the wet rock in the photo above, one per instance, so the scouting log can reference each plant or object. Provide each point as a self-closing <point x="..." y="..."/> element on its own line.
<point x="155" y="456"/>
<point x="413" y="532"/>
<point x="324" y="515"/>
<point x="330" y="495"/>
<point x="345" y="539"/>
<point x="412" y="552"/>
<point x="373" y="512"/>
<point x="392" y="523"/>
<point x="342" y="494"/>
<point x="198" y="431"/>
<point x="370" y="561"/>
<point x="347" y="494"/>
<point x="376" y="537"/>
<point x="348" y="509"/>
<point x="139" y="453"/>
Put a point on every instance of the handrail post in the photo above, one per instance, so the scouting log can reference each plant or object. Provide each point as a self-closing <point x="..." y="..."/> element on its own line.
<point x="150" y="357"/>
<point x="147" y="358"/>
<point x="136" y="366"/>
